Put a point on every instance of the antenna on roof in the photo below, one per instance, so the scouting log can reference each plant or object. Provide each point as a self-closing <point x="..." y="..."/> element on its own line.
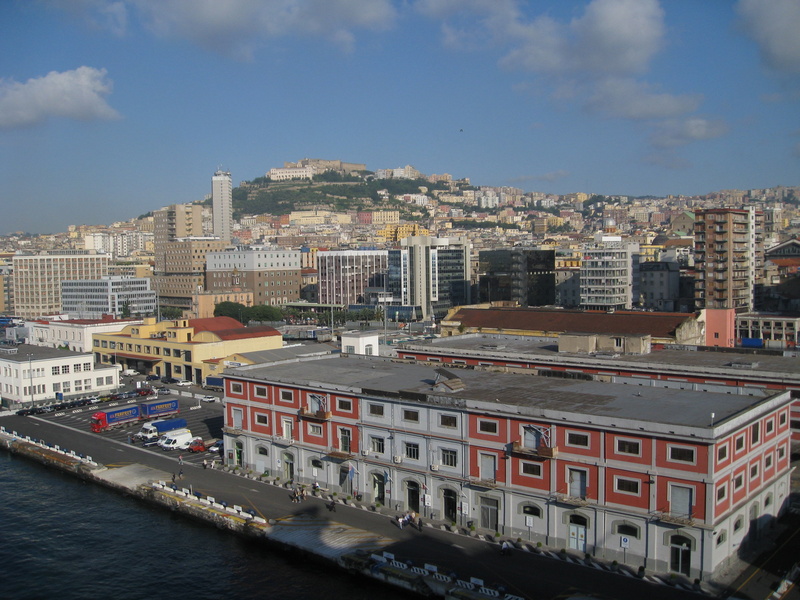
<point x="712" y="418"/>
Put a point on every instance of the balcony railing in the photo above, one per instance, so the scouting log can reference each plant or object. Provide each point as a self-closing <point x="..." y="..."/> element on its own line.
<point x="483" y="482"/>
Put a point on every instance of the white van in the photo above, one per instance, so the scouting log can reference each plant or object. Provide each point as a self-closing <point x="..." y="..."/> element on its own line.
<point x="130" y="372"/>
<point x="176" y="440"/>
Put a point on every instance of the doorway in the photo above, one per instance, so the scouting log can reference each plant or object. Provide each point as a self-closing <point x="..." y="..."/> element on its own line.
<point x="680" y="554"/>
<point x="378" y="488"/>
<point x="577" y="532"/>
<point x="450" y="505"/>
<point x="412" y="496"/>
<point x="490" y="509"/>
<point x="239" y="456"/>
<point x="288" y="466"/>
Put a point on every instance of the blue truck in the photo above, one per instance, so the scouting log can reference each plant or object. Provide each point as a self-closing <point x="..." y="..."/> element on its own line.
<point x="214" y="383"/>
<point x="127" y="415"/>
<point x="153" y="430"/>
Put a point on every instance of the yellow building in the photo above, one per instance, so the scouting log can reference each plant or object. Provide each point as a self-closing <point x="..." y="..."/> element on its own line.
<point x="395" y="233"/>
<point x="185" y="349"/>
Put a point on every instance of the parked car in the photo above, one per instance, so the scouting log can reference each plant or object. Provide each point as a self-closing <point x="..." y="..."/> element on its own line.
<point x="152" y="377"/>
<point x="171" y="380"/>
<point x="163" y="390"/>
<point x="215" y="447"/>
<point x="209" y="398"/>
<point x="183" y="383"/>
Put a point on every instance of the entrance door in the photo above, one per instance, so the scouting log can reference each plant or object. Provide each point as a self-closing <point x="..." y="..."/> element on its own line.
<point x="680" y="501"/>
<point x="577" y="483"/>
<point x="680" y="554"/>
<point x="489" y="512"/>
<point x="239" y="453"/>
<point x="288" y="466"/>
<point x="412" y="496"/>
<point x="577" y="533"/>
<point x="450" y="505"/>
<point x="488" y="466"/>
<point x="378" y="488"/>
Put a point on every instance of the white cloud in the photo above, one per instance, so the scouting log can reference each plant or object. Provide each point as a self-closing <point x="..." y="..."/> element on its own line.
<point x="774" y="25"/>
<point x="237" y="27"/>
<point x="630" y="99"/>
<point x="679" y="132"/>
<point x="78" y="94"/>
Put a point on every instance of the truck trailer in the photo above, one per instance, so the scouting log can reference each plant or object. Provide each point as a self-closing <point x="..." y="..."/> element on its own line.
<point x="118" y="417"/>
<point x="214" y="383"/>
<point x="155" y="429"/>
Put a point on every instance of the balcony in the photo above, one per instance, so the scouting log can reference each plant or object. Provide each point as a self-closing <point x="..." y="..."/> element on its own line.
<point x="678" y="519"/>
<point x="339" y="453"/>
<point x="571" y="500"/>
<point x="540" y="452"/>
<point x="232" y="430"/>
<point x="484" y="483"/>
<point x="317" y="415"/>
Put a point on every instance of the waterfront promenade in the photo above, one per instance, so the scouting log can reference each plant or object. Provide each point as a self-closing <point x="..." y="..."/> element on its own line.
<point x="313" y="529"/>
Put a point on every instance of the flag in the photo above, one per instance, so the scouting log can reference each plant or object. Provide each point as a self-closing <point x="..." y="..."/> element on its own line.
<point x="351" y="473"/>
<point x="386" y="477"/>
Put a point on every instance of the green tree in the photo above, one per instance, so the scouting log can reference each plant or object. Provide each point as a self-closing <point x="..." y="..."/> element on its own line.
<point x="263" y="312"/>
<point x="235" y="310"/>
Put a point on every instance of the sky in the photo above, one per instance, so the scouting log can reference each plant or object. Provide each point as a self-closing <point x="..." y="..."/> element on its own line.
<point x="110" y="109"/>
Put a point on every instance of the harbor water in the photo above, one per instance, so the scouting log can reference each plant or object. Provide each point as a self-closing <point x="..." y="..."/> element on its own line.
<point x="66" y="539"/>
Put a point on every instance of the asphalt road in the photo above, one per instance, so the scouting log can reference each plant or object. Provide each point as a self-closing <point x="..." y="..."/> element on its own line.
<point x="522" y="573"/>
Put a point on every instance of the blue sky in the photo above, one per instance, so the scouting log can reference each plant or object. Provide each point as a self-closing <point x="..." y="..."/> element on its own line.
<point x="112" y="108"/>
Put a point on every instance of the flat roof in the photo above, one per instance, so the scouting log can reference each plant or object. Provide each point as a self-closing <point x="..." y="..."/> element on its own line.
<point x="37" y="353"/>
<point x="528" y="395"/>
<point x="678" y="359"/>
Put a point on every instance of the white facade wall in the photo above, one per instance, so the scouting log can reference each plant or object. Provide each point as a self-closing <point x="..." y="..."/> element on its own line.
<point x="222" y="204"/>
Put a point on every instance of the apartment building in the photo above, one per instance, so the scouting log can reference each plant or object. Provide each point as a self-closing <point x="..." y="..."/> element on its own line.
<point x="37" y="277"/>
<point x="610" y="274"/>
<point x="222" y="204"/>
<point x="174" y="222"/>
<point x="271" y="275"/>
<point x="685" y="478"/>
<point x="181" y="270"/>
<point x="728" y="257"/>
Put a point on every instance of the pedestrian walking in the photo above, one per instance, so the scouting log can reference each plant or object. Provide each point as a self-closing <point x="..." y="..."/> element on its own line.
<point x="173" y="478"/>
<point x="332" y="506"/>
<point x="205" y="463"/>
<point x="180" y="459"/>
<point x="180" y="474"/>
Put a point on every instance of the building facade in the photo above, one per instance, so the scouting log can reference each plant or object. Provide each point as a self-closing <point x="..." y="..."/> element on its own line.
<point x="659" y="286"/>
<point x="271" y="275"/>
<point x="72" y="334"/>
<point x="573" y="464"/>
<point x="431" y="273"/>
<point x="34" y="375"/>
<point x="222" y="204"/>
<point x="344" y="276"/>
<point x="116" y="296"/>
<point x="189" y="349"/>
<point x="610" y="274"/>
<point x="728" y="257"/>
<point x="38" y="277"/>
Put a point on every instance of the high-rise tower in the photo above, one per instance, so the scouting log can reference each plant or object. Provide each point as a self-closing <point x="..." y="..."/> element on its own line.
<point x="222" y="204"/>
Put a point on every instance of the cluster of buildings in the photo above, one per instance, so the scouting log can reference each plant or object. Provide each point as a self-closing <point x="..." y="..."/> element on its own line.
<point x="610" y="376"/>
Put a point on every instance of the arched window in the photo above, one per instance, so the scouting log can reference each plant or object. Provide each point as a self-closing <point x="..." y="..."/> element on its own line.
<point x="531" y="509"/>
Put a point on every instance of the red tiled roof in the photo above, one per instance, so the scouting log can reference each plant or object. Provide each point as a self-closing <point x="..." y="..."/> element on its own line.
<point x="214" y="324"/>
<point x="659" y="325"/>
<point x="243" y="333"/>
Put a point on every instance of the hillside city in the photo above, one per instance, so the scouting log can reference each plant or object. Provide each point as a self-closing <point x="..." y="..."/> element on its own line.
<point x="613" y="377"/>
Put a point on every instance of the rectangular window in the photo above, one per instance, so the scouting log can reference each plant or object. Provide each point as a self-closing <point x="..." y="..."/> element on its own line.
<point x="287" y="396"/>
<point x="65" y="369"/>
<point x="236" y="388"/>
<point x="580" y="440"/>
<point x="412" y="451"/>
<point x="376" y="410"/>
<point x="344" y="405"/>
<point x="631" y="447"/>
<point x="754" y="471"/>
<point x="377" y="444"/>
<point x="260" y="391"/>
<point x="56" y="371"/>
<point x="739" y="443"/>
<point x="681" y="454"/>
<point x="448" y="421"/>
<point x="722" y="492"/>
<point x="738" y="482"/>
<point x="487" y="427"/>
<point x="314" y="429"/>
<point x="87" y="366"/>
<point x="449" y="458"/>
<point x="755" y="433"/>
<point x="76" y="368"/>
<point x="262" y="419"/>
<point x="781" y="453"/>
<point x="768" y="461"/>
<point x="531" y="469"/>
<point x="770" y="427"/>
<point x="782" y="419"/>
<point x="411" y="415"/>
<point x="628" y="486"/>
<point x="722" y="453"/>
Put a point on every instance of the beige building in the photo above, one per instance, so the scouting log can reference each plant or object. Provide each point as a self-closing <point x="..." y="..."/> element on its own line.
<point x="181" y="270"/>
<point x="189" y="349"/>
<point x="395" y="233"/>
<point x="177" y="221"/>
<point x="271" y="275"/>
<point x="38" y="276"/>
<point x="204" y="303"/>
